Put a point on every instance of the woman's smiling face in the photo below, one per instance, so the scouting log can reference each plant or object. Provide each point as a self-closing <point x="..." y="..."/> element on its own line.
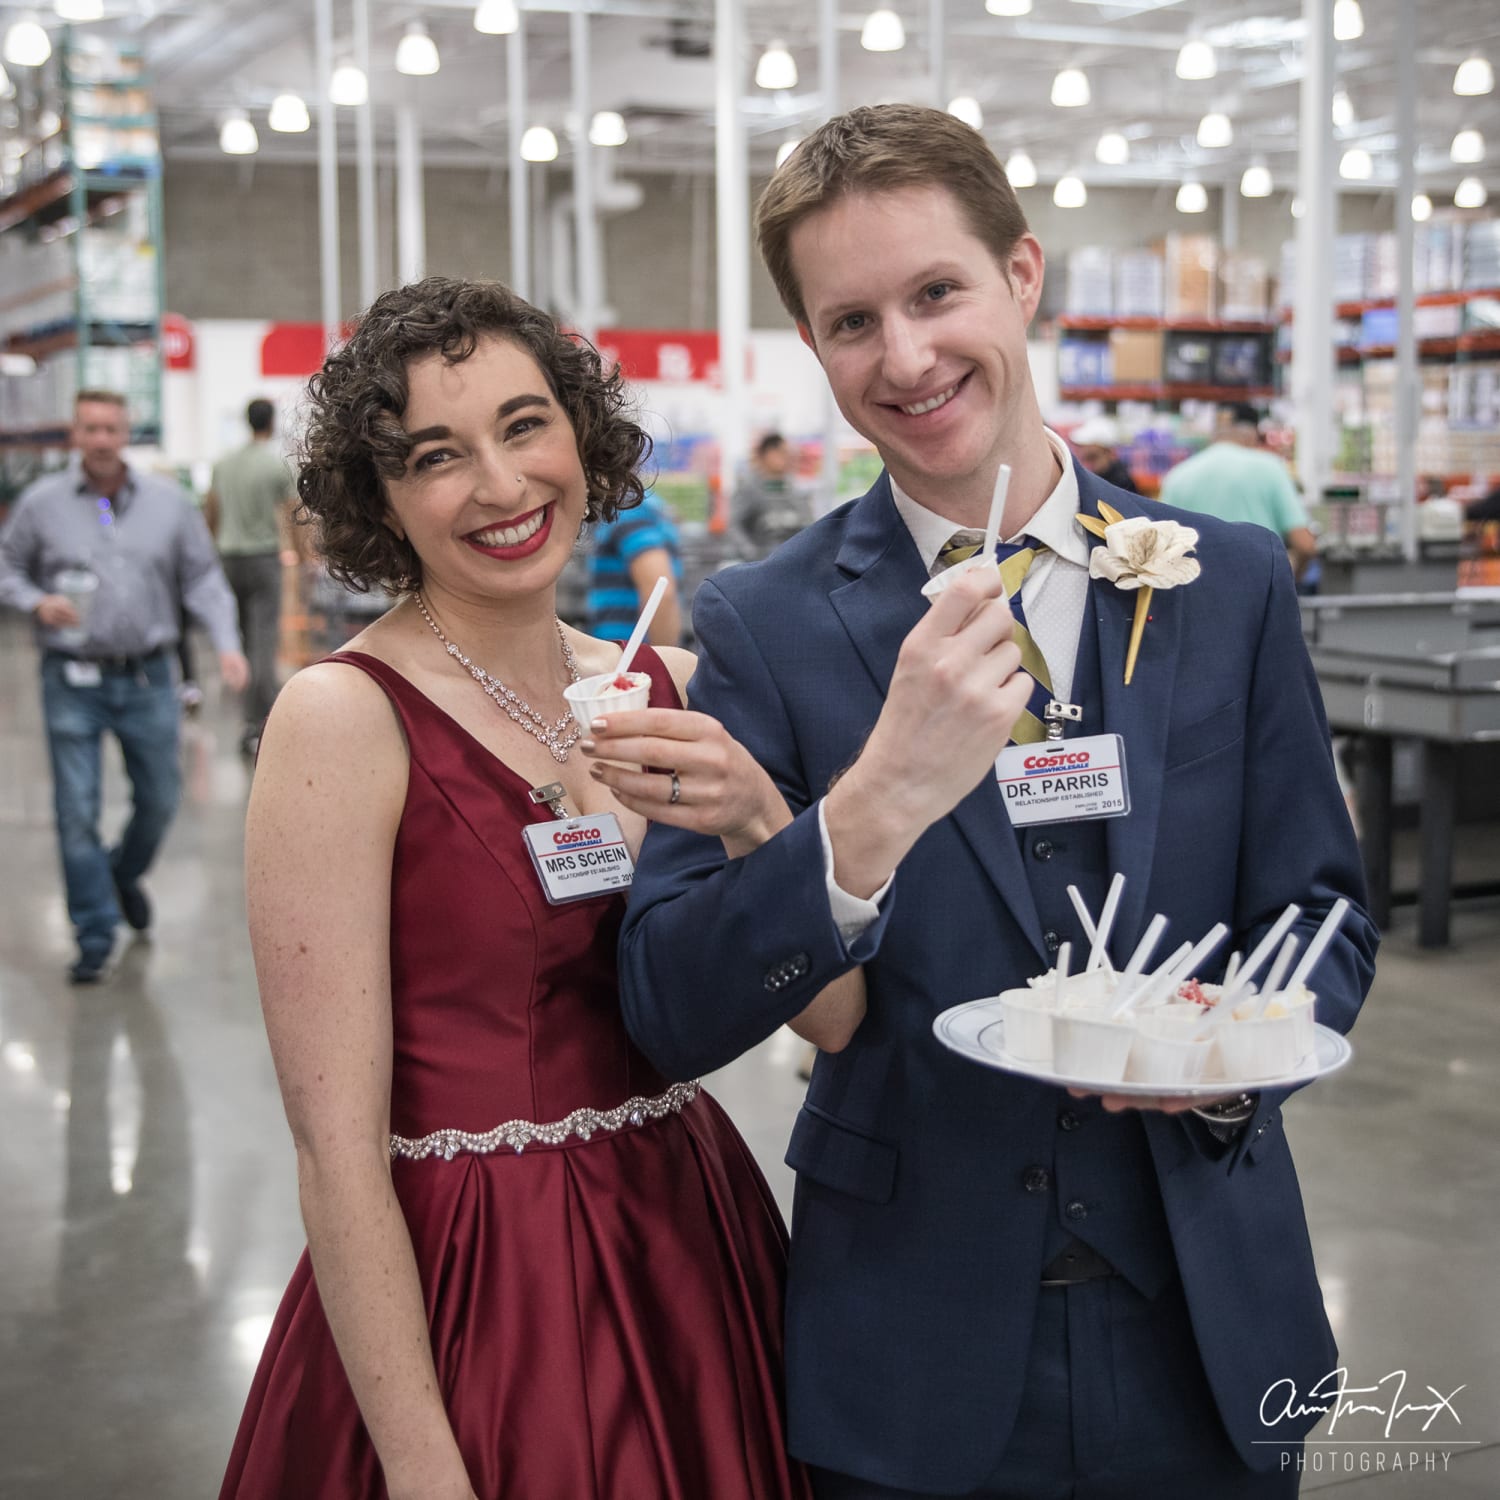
<point x="494" y="492"/>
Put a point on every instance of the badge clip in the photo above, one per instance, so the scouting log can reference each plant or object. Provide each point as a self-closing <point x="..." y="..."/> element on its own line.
<point x="1056" y="715"/>
<point x="552" y="795"/>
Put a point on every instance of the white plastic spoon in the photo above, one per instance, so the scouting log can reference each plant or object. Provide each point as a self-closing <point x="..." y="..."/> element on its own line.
<point x="641" y="627"/>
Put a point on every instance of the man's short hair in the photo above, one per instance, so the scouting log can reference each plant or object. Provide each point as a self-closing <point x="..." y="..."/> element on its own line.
<point x="97" y="393"/>
<point x="1240" y="414"/>
<point x="878" y="148"/>
<point x="768" y="442"/>
<point x="260" y="414"/>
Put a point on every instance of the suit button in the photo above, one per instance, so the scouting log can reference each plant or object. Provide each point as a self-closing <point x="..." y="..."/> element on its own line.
<point x="1052" y="940"/>
<point x="1076" y="1210"/>
<point x="798" y="965"/>
<point x="1042" y="850"/>
<point x="1067" y="1120"/>
<point x="1036" y="1179"/>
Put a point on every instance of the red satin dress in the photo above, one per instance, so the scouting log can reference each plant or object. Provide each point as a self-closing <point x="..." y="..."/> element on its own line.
<point x="605" y="1313"/>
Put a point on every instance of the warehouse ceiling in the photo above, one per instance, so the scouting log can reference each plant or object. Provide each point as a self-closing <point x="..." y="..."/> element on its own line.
<point x="652" y="62"/>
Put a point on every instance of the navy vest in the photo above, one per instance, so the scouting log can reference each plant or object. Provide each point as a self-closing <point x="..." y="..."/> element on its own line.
<point x="1103" y="1182"/>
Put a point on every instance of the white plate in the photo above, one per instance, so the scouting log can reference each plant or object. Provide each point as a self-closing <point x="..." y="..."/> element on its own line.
<point x="977" y="1031"/>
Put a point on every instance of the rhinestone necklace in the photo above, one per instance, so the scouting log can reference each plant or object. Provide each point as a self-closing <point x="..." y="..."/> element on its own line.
<point x="515" y="706"/>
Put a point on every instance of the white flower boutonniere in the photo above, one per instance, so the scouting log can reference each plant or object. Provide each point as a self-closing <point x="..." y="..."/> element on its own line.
<point x="1142" y="555"/>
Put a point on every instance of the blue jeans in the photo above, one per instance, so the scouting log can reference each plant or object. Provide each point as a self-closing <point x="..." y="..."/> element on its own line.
<point x="140" y="709"/>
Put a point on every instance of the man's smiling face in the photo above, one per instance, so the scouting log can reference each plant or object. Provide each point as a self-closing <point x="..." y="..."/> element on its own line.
<point x="922" y="334"/>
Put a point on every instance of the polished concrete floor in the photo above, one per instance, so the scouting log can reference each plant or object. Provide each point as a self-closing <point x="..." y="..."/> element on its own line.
<point x="148" y="1214"/>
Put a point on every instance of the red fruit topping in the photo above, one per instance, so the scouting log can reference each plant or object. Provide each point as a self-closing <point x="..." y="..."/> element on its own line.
<point x="1192" y="992"/>
<point x="622" y="683"/>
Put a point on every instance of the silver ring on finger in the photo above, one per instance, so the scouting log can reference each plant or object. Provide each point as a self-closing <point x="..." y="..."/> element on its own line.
<point x="676" y="796"/>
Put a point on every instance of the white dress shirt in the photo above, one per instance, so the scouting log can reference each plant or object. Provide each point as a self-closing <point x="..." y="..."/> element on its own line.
<point x="1054" y="598"/>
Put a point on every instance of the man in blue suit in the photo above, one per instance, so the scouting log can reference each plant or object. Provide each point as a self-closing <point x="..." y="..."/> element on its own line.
<point x="996" y="1288"/>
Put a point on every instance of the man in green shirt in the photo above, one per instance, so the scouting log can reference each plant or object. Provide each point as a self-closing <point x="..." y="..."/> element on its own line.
<point x="1237" y="480"/>
<point x="248" y="510"/>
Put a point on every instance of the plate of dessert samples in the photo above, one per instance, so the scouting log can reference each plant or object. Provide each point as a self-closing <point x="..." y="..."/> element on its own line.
<point x="1139" y="1030"/>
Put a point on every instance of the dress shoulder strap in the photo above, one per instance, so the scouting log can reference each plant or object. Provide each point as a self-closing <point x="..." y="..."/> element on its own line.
<point x="664" y="692"/>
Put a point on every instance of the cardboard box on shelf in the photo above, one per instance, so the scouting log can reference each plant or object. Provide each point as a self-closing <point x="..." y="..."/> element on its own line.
<point x="1084" y="361"/>
<point x="1140" y="284"/>
<point x="1244" y="289"/>
<point x="1188" y="359"/>
<point x="1090" y="288"/>
<point x="1192" y="275"/>
<point x="1135" y="355"/>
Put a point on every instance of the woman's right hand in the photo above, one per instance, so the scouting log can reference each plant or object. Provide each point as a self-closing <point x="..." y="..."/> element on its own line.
<point x="700" y="777"/>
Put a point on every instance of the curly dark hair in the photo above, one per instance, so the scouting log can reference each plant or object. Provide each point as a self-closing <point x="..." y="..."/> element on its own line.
<point x="354" y="440"/>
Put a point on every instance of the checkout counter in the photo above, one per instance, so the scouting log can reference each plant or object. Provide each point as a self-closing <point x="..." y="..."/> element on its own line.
<point x="1418" y="666"/>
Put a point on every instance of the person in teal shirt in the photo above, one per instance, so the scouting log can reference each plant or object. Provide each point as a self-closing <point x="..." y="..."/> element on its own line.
<point x="1235" y="479"/>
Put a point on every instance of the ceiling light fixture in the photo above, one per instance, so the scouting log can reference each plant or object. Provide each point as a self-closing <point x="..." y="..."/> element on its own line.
<point x="1470" y="193"/>
<point x="349" y="87"/>
<point x="1020" y="169"/>
<point x="882" y="32"/>
<point x="607" y="128"/>
<point x="1192" y="198"/>
<point x="26" y="44"/>
<point x="1421" y="208"/>
<point x="1355" y="165"/>
<point x="417" y="53"/>
<point x="1070" y="192"/>
<point x="784" y="150"/>
<point x="777" y="68"/>
<point x="1215" y="131"/>
<point x="1256" y="181"/>
<point x="1348" y="21"/>
<point x="1070" y="89"/>
<point x="1113" y="149"/>
<point x="1474" y="76"/>
<point x="1343" y="109"/>
<point x="538" y="144"/>
<point x="79" y="10"/>
<point x="1008" y="7"/>
<point x="1467" y="147"/>
<point x="237" y="135"/>
<point x="1196" y="60"/>
<point x="966" y="108"/>
<point x="496" y="17"/>
<point x="289" y="114"/>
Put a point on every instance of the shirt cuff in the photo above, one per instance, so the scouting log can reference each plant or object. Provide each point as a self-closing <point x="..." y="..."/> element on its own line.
<point x="851" y="914"/>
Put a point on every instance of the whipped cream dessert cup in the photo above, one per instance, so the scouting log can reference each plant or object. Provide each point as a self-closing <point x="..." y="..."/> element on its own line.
<point x="594" y="697"/>
<point x="1028" y="1025"/>
<point x="949" y="576"/>
<point x="1090" y="1047"/>
<point x="1300" y="1004"/>
<point x="1089" y="992"/>
<point x="1166" y="1054"/>
<point x="1265" y="1048"/>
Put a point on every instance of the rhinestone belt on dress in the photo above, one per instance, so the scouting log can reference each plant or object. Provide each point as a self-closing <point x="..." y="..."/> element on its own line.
<point x="519" y="1134"/>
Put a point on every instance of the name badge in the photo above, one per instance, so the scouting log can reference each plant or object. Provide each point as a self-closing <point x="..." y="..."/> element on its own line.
<point x="81" y="674"/>
<point x="1064" y="781"/>
<point x="577" y="858"/>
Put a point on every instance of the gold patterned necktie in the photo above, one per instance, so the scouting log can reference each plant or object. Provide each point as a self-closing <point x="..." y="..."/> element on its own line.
<point x="1015" y="560"/>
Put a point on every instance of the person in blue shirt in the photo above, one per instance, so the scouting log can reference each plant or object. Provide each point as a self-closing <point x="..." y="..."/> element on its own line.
<point x="629" y="554"/>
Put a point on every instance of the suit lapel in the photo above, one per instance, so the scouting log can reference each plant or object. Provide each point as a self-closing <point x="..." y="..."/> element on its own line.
<point x="878" y="607"/>
<point x="1139" y="713"/>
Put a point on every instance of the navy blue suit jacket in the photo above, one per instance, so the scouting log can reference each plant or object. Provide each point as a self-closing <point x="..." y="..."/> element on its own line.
<point x="915" y="1254"/>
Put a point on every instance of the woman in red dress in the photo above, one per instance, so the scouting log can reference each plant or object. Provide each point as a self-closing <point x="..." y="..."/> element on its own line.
<point x="535" y="1268"/>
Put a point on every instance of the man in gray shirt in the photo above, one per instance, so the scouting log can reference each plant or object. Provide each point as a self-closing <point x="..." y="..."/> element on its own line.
<point x="248" y="510"/>
<point x="104" y="559"/>
<point x="769" y="507"/>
